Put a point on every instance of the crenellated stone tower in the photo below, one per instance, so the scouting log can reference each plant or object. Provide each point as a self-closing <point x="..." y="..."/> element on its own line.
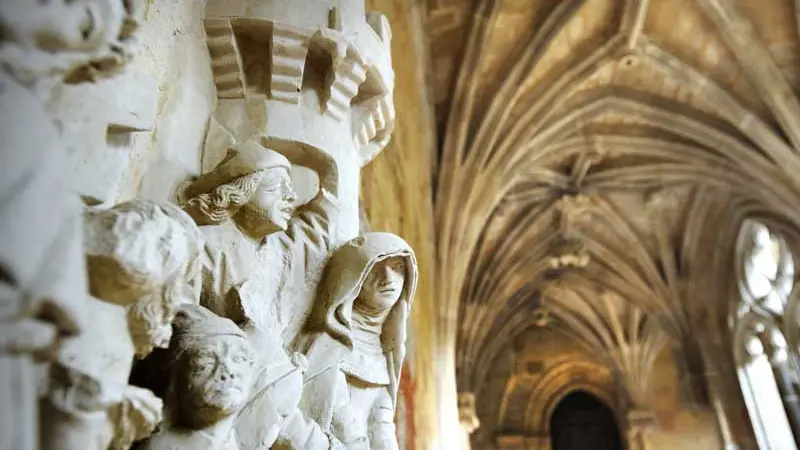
<point x="314" y="74"/>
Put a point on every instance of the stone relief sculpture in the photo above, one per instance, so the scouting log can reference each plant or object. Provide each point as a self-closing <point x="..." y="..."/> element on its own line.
<point x="265" y="254"/>
<point x="209" y="369"/>
<point x="258" y="253"/>
<point x="258" y="247"/>
<point x="144" y="262"/>
<point x="41" y="261"/>
<point x="355" y="340"/>
<point x="146" y="256"/>
<point x="237" y="375"/>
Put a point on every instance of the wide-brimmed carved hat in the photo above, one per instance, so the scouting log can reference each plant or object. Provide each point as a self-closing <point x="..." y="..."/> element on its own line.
<point x="243" y="159"/>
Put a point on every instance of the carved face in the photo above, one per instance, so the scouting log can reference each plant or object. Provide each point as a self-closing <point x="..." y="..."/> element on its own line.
<point x="217" y="378"/>
<point x="384" y="284"/>
<point x="274" y="198"/>
<point x="80" y="25"/>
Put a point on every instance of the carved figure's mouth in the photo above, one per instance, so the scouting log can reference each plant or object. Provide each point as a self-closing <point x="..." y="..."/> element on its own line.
<point x="287" y="211"/>
<point x="387" y="289"/>
<point x="228" y="387"/>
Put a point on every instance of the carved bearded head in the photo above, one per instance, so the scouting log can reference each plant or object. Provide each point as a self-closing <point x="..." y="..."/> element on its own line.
<point x="145" y="256"/>
<point x="212" y="367"/>
<point x="252" y="185"/>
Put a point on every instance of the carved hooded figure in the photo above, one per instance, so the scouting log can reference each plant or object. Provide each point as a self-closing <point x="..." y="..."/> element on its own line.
<point x="356" y="341"/>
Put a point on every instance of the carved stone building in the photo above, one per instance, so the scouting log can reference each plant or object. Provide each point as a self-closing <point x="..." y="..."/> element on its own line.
<point x="399" y="224"/>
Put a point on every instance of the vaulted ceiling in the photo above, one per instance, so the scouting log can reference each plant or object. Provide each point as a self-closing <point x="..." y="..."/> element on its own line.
<point x="597" y="160"/>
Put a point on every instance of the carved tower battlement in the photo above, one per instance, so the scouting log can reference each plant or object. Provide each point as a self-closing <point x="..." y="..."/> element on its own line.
<point x="315" y="74"/>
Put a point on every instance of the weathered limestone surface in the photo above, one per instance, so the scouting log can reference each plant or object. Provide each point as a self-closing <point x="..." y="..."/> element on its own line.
<point x="172" y="52"/>
<point x="42" y="266"/>
<point x="233" y="286"/>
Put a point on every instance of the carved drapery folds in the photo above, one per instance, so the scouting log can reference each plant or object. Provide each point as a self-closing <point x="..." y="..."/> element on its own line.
<point x="229" y="312"/>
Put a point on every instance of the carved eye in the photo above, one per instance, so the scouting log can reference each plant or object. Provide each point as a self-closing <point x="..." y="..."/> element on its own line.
<point x="273" y="188"/>
<point x="202" y="363"/>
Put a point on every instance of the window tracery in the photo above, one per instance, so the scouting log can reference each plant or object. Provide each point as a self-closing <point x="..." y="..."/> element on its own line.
<point x="766" y="368"/>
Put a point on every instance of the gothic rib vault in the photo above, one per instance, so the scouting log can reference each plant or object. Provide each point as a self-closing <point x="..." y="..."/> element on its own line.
<point x="597" y="160"/>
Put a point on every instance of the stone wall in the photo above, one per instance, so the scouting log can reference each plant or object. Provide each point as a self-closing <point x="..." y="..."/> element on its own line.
<point x="526" y="382"/>
<point x="679" y="427"/>
<point x="175" y="54"/>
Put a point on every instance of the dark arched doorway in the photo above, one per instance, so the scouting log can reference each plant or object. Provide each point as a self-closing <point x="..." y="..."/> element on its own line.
<point x="581" y="422"/>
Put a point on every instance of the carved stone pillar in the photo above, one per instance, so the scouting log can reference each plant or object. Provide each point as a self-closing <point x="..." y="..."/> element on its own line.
<point x="311" y="77"/>
<point x="724" y="390"/>
<point x="717" y="380"/>
<point x="467" y="417"/>
<point x="640" y="424"/>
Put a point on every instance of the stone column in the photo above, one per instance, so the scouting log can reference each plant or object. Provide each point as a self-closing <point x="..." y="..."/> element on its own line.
<point x="777" y="352"/>
<point x="640" y="424"/>
<point x="467" y="418"/>
<point x="722" y="384"/>
<point x="716" y="383"/>
<point x="728" y="439"/>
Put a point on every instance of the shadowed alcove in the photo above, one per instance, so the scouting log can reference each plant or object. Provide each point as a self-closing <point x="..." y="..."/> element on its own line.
<point x="582" y="421"/>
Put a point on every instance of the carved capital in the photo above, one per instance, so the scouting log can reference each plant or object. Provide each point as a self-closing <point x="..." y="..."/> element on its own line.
<point x="467" y="414"/>
<point x="569" y="253"/>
